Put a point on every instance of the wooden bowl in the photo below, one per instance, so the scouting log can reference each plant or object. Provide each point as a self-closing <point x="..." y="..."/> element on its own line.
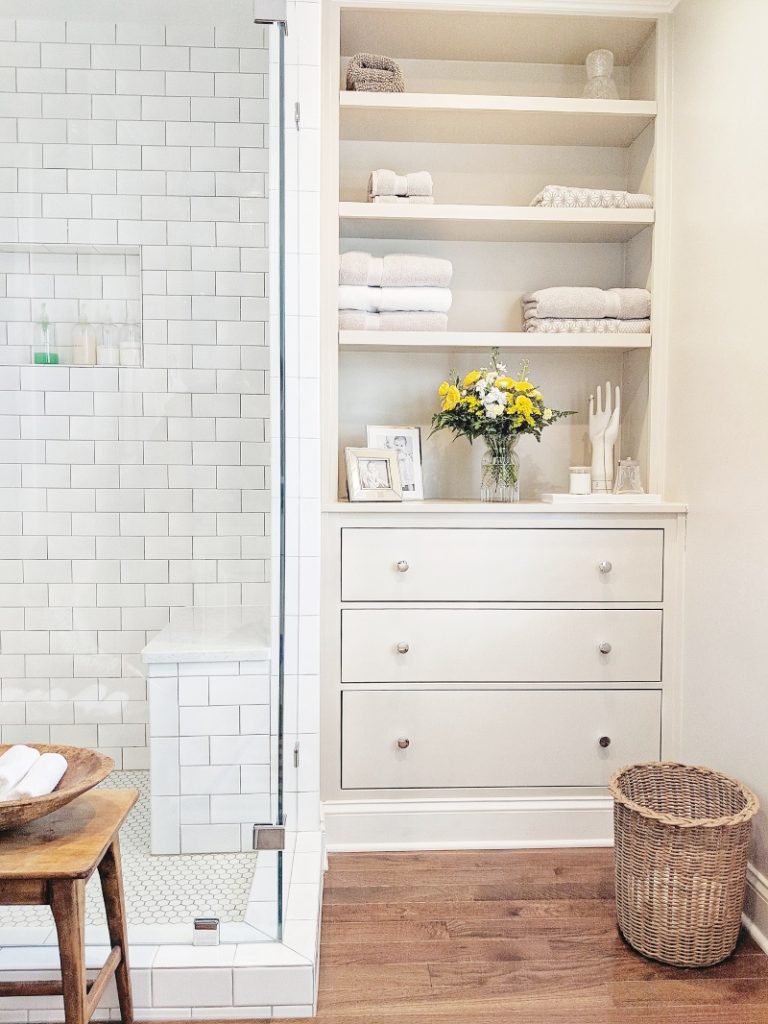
<point x="85" y="769"/>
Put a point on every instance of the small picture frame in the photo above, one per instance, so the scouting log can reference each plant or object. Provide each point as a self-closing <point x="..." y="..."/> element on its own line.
<point x="373" y="474"/>
<point x="405" y="442"/>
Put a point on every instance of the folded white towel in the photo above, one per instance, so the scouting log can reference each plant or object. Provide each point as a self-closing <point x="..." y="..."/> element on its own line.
<point x="605" y="198"/>
<point x="407" y="200"/>
<point x="357" y="320"/>
<point x="620" y="303"/>
<point x="395" y="270"/>
<point x="42" y="778"/>
<point x="387" y="300"/>
<point x="602" y="325"/>
<point x="388" y="183"/>
<point x="14" y="765"/>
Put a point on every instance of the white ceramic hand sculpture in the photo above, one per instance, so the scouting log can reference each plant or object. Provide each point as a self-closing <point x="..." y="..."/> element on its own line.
<point x="603" y="431"/>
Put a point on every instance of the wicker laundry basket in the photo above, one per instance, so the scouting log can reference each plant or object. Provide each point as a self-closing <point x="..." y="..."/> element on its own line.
<point x="681" y="837"/>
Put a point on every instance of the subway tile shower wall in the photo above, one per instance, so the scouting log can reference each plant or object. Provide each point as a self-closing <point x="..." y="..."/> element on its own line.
<point x="125" y="493"/>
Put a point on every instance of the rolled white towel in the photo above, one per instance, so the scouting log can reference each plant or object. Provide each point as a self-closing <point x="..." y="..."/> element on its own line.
<point x="395" y="270"/>
<point x="14" y="765"/>
<point x="386" y="300"/>
<point x="42" y="778"/>
<point x="388" y="183"/>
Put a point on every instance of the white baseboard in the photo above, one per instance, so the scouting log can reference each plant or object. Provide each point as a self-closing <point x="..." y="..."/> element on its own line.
<point x="468" y="824"/>
<point x="755" y="916"/>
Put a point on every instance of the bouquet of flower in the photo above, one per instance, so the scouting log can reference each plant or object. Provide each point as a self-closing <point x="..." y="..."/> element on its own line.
<point x="490" y="404"/>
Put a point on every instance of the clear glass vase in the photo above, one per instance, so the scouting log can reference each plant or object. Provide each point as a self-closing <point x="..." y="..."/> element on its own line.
<point x="500" y="470"/>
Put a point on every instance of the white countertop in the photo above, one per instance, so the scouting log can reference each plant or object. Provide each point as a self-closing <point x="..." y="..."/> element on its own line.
<point x="213" y="634"/>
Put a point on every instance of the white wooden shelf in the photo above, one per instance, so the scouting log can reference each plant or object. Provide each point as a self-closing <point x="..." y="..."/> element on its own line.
<point x="452" y="222"/>
<point x="431" y="505"/>
<point x="521" y="120"/>
<point x="457" y="341"/>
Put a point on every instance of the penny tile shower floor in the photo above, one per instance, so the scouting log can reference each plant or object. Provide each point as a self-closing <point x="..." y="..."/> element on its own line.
<point x="159" y="890"/>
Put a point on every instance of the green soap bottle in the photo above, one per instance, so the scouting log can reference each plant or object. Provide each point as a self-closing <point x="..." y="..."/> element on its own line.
<point x="45" y="355"/>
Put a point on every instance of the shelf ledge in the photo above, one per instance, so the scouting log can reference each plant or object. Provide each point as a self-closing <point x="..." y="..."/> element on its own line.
<point x="458" y="341"/>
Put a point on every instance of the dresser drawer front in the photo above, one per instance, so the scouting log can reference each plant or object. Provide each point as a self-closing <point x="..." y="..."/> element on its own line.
<point x="448" y="564"/>
<point x="494" y="739"/>
<point x="447" y="645"/>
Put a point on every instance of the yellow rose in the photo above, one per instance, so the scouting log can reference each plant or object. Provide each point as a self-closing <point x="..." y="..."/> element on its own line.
<point x="471" y="401"/>
<point x="523" y="385"/>
<point x="443" y="389"/>
<point x="505" y="383"/>
<point x="524" y="405"/>
<point x="451" y="398"/>
<point x="472" y="378"/>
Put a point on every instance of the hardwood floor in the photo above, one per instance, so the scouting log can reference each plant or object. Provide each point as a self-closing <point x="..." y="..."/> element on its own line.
<point x="506" y="937"/>
<point x="525" y="937"/>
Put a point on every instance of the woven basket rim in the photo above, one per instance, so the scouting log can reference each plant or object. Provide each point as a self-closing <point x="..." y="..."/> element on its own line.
<point x="751" y="803"/>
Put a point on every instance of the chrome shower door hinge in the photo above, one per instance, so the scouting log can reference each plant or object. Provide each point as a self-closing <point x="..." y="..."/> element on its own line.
<point x="269" y="837"/>
<point x="205" y="931"/>
<point x="297" y="115"/>
<point x="296" y="755"/>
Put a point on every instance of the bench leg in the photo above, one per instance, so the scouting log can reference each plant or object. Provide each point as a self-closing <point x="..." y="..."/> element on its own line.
<point x="111" y="876"/>
<point x="67" y="900"/>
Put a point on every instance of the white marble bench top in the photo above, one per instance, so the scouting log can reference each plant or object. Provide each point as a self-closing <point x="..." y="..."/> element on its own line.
<point x="212" y="634"/>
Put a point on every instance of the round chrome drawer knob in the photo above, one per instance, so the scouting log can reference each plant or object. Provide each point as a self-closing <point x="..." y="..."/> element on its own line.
<point x="403" y="743"/>
<point x="605" y="647"/>
<point x="402" y="566"/>
<point x="605" y="566"/>
<point x="403" y="647"/>
<point x="604" y="741"/>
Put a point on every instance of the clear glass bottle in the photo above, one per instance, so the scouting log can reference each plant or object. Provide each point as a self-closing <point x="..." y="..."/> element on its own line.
<point x="600" y="84"/>
<point x="108" y="353"/>
<point x="130" y="345"/>
<point x="84" y="342"/>
<point x="44" y="352"/>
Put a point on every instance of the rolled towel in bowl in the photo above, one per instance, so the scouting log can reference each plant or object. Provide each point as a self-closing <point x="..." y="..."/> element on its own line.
<point x="42" y="778"/>
<point x="576" y="302"/>
<point x="414" y="200"/>
<point x="389" y="300"/>
<point x="14" y="765"/>
<point x="396" y="269"/>
<point x="388" y="183"/>
<point x="373" y="72"/>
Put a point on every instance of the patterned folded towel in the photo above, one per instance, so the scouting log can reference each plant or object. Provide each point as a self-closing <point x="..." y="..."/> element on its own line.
<point x="580" y="303"/>
<point x="358" y="320"/>
<point x="589" y="325"/>
<point x="371" y="72"/>
<point x="394" y="300"/>
<point x="388" y="183"/>
<point x="396" y="270"/>
<point x="605" y="198"/>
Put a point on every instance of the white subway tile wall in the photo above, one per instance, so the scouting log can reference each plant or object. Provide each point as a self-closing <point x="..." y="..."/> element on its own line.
<point x="125" y="493"/>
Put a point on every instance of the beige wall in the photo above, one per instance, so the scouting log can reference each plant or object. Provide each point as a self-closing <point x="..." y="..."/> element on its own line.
<point x="718" y="414"/>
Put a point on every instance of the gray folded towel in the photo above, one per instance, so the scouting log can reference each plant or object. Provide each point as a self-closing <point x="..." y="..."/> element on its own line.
<point x="397" y="269"/>
<point x="580" y="303"/>
<point x="418" y="200"/>
<point x="587" y="325"/>
<point x="594" y="198"/>
<point x="371" y="72"/>
<point x="388" y="183"/>
<point x="358" y="320"/>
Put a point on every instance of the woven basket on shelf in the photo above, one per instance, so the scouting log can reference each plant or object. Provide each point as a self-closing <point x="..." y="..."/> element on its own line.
<point x="681" y="838"/>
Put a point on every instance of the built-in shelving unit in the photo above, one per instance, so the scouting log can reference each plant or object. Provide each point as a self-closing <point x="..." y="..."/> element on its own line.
<point x="468" y="341"/>
<point x="520" y="120"/>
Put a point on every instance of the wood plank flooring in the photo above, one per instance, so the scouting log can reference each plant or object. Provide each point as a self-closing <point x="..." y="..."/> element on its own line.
<point x="506" y="937"/>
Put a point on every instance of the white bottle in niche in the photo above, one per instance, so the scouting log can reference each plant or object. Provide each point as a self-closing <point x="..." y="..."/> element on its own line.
<point x="84" y="342"/>
<point x="109" y="347"/>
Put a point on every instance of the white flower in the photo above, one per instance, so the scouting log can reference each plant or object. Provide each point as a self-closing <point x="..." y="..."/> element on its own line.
<point x="492" y="411"/>
<point x="495" y="397"/>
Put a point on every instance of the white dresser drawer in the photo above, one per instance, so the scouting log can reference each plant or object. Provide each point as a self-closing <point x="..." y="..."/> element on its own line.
<point x="446" y="645"/>
<point x="506" y="564"/>
<point x="490" y="738"/>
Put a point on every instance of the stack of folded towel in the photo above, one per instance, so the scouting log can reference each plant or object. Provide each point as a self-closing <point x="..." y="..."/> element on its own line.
<point x="388" y="187"/>
<point x="370" y="72"/>
<point x="603" y="198"/>
<point x="398" y="292"/>
<point x="26" y="773"/>
<point x="590" y="310"/>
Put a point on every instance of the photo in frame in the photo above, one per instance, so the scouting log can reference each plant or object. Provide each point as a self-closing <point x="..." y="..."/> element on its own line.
<point x="405" y="442"/>
<point x="373" y="474"/>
